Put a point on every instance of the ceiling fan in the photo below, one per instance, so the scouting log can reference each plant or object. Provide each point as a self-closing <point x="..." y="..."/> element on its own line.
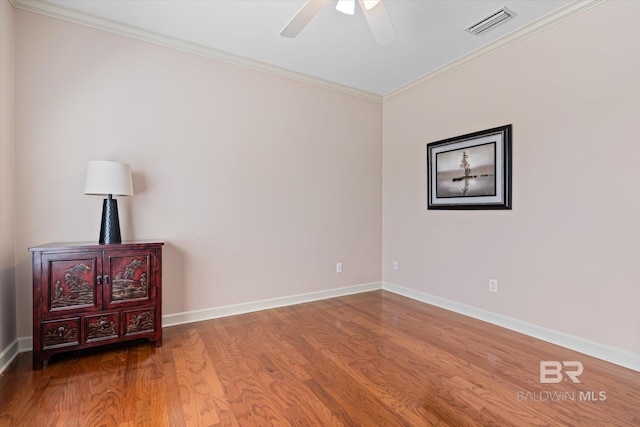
<point x="374" y="11"/>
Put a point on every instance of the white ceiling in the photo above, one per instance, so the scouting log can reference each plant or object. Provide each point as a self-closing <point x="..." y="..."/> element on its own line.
<point x="334" y="47"/>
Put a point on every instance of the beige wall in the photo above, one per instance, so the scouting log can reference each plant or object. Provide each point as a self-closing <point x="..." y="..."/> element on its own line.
<point x="7" y="258"/>
<point x="258" y="184"/>
<point x="567" y="255"/>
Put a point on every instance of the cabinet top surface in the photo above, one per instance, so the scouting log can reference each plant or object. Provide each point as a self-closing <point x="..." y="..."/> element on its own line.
<point x="132" y="244"/>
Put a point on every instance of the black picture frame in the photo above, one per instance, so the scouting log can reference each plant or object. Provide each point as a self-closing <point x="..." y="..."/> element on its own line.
<point x="471" y="171"/>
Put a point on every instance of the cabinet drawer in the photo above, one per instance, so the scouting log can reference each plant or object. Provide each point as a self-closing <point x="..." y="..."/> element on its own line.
<point x="139" y="321"/>
<point x="60" y="333"/>
<point x="102" y="327"/>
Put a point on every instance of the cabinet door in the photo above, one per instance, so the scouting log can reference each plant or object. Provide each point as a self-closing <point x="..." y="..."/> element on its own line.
<point x="130" y="278"/>
<point x="71" y="282"/>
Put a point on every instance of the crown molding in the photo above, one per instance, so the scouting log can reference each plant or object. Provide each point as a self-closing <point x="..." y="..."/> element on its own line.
<point x="63" y="13"/>
<point x="59" y="12"/>
<point x="531" y="29"/>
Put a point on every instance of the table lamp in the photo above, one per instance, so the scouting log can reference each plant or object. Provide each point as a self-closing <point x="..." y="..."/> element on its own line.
<point x="109" y="178"/>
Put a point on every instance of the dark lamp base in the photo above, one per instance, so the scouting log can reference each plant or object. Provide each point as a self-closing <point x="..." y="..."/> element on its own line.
<point x="110" y="226"/>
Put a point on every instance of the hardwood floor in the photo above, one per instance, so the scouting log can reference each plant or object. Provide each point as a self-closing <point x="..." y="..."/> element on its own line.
<point x="372" y="359"/>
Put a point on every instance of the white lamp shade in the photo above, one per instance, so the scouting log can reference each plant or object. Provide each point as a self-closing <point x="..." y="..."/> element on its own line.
<point x="104" y="177"/>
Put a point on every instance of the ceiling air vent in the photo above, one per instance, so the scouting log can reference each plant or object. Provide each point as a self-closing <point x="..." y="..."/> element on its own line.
<point x="490" y="21"/>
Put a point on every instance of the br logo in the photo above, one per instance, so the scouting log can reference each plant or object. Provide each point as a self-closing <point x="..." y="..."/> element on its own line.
<point x="551" y="371"/>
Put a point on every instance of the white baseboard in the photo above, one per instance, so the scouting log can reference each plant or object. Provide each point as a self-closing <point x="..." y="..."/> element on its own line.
<point x="600" y="351"/>
<point x="232" y="310"/>
<point x="8" y="354"/>
<point x="25" y="344"/>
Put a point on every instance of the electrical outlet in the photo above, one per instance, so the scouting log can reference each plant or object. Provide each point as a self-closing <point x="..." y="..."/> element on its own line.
<point x="339" y="267"/>
<point x="493" y="285"/>
<point x="395" y="265"/>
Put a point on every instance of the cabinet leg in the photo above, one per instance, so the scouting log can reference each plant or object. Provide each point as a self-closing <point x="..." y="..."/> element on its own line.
<point x="37" y="364"/>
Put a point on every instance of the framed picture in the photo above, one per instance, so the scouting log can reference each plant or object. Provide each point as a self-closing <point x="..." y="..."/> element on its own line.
<point x="471" y="171"/>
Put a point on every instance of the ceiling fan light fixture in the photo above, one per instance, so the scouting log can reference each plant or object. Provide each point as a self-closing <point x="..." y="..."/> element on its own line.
<point x="491" y="21"/>
<point x="375" y="14"/>
<point x="348" y="7"/>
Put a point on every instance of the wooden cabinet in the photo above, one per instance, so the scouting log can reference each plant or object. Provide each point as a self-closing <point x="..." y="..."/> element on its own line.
<point x="85" y="295"/>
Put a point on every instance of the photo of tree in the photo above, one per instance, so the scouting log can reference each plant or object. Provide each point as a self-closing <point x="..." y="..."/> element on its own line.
<point x="471" y="171"/>
<point x="467" y="172"/>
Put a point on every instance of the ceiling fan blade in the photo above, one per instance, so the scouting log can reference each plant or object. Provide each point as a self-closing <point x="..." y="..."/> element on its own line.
<point x="302" y="18"/>
<point x="379" y="22"/>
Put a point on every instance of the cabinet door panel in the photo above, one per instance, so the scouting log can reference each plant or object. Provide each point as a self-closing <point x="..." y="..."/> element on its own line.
<point x="71" y="282"/>
<point x="130" y="278"/>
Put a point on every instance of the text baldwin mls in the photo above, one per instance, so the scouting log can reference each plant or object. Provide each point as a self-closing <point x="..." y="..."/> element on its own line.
<point x="548" y="396"/>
